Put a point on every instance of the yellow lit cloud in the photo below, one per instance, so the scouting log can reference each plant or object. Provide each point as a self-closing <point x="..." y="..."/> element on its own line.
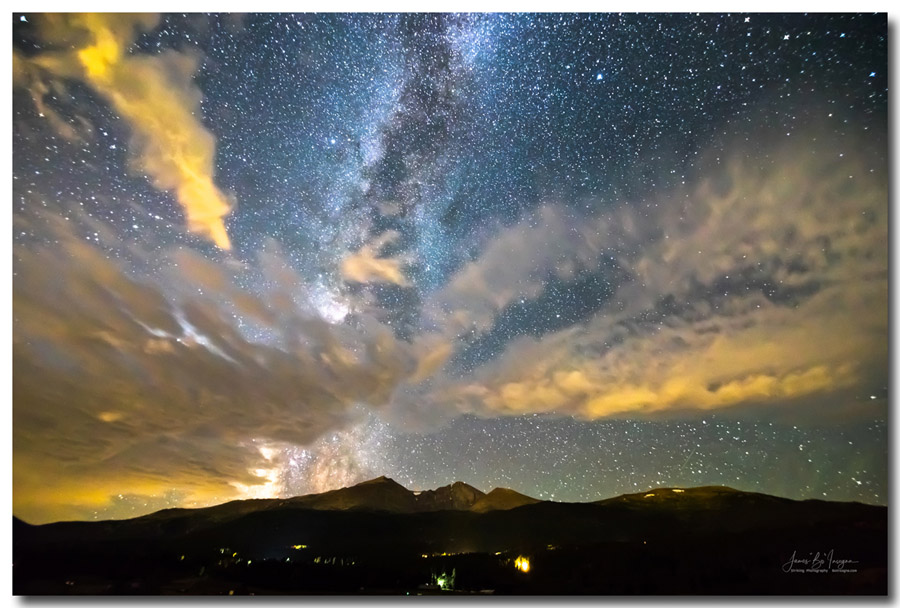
<point x="156" y="97"/>
<point x="764" y="283"/>
<point x="125" y="384"/>
<point x="365" y="265"/>
<point x="827" y="344"/>
<point x="45" y="492"/>
<point x="431" y="355"/>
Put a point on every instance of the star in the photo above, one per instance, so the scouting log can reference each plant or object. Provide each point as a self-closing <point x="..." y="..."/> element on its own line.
<point x="429" y="246"/>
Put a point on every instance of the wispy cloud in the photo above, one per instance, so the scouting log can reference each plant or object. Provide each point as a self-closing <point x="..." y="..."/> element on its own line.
<point x="148" y="383"/>
<point x="366" y="265"/>
<point x="154" y="94"/>
<point x="763" y="283"/>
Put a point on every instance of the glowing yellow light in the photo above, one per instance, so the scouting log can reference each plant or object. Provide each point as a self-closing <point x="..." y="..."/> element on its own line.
<point x="179" y="152"/>
<point x="298" y="547"/>
<point x="98" y="59"/>
<point x="523" y="564"/>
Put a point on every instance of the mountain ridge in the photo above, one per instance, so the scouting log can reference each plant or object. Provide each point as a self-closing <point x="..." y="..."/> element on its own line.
<point x="383" y="493"/>
<point x="358" y="537"/>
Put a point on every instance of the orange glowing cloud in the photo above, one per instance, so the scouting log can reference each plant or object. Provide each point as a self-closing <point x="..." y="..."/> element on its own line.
<point x="156" y="97"/>
<point x="763" y="283"/>
<point x="366" y="265"/>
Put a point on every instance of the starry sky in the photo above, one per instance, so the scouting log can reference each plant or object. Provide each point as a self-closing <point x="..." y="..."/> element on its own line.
<point x="576" y="255"/>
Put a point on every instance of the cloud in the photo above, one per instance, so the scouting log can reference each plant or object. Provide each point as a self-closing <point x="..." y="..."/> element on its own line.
<point x="769" y="355"/>
<point x="517" y="263"/>
<point x="365" y="265"/>
<point x="154" y="94"/>
<point x="127" y="380"/>
<point x="764" y="282"/>
<point x="28" y="77"/>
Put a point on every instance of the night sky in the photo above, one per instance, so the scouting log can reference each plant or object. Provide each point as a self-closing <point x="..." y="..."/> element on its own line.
<point x="575" y="255"/>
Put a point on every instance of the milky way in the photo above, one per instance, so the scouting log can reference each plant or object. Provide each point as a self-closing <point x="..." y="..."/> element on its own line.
<point x="571" y="254"/>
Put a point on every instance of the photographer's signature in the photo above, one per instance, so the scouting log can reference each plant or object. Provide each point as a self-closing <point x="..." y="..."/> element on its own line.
<point x="819" y="562"/>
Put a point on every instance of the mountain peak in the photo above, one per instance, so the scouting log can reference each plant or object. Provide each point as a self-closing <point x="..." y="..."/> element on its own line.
<point x="456" y="496"/>
<point x="381" y="479"/>
<point x="707" y="495"/>
<point x="502" y="499"/>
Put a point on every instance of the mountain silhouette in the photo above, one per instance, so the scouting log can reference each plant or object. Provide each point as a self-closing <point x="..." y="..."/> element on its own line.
<point x="457" y="496"/>
<point x="385" y="494"/>
<point x="501" y="499"/>
<point x="379" y="494"/>
<point x="379" y="534"/>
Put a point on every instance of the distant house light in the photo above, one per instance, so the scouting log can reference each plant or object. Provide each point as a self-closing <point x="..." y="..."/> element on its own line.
<point x="523" y="564"/>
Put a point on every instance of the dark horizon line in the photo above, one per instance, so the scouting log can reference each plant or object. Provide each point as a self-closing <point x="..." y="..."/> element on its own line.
<point x="386" y="478"/>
